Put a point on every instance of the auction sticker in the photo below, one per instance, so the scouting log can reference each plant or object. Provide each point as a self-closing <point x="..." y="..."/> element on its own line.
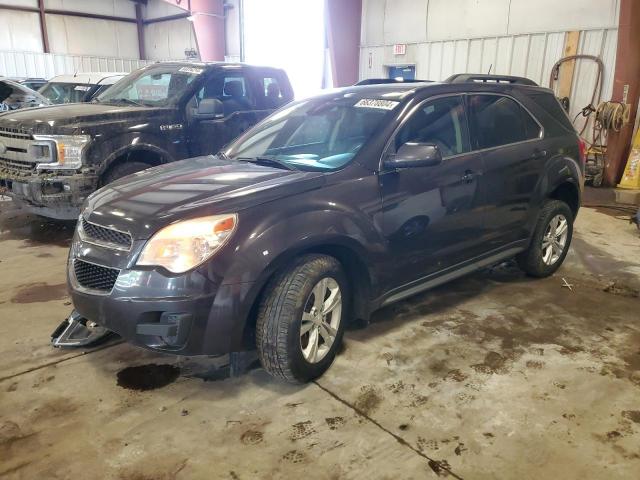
<point x="195" y="71"/>
<point x="376" y="103"/>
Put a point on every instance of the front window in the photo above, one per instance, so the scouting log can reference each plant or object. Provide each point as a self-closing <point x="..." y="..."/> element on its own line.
<point x="315" y="134"/>
<point x="157" y="86"/>
<point x="59" y="93"/>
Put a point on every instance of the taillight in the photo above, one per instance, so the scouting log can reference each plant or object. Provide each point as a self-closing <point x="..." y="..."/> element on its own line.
<point x="582" y="149"/>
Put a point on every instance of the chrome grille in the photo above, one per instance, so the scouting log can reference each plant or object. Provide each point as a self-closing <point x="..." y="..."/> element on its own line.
<point x="15" y="158"/>
<point x="104" y="236"/>
<point x="14" y="133"/>
<point x="95" y="277"/>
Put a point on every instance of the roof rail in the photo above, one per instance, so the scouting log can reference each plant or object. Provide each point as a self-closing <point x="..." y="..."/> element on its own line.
<point x="484" y="78"/>
<point x="381" y="81"/>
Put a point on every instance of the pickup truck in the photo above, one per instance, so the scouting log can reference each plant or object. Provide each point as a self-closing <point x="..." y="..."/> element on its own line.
<point x="52" y="158"/>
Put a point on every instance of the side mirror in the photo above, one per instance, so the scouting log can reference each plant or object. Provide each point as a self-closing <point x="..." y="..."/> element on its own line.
<point x="414" y="155"/>
<point x="209" y="108"/>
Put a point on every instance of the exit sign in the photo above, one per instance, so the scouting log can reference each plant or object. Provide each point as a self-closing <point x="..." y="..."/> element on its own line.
<point x="400" y="49"/>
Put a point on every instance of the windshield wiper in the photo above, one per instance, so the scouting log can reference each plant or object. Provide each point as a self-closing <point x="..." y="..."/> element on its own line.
<point x="273" y="162"/>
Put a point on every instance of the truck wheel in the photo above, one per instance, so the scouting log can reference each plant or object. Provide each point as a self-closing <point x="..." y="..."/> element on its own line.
<point x="550" y="241"/>
<point x="122" y="170"/>
<point x="301" y="318"/>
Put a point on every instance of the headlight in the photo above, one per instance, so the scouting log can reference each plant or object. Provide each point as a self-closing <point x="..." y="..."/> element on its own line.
<point x="64" y="152"/>
<point x="185" y="245"/>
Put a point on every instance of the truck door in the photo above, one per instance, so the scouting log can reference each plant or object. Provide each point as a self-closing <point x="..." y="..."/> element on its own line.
<point x="208" y="136"/>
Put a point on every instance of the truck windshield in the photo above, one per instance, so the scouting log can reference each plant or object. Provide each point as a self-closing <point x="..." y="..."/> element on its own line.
<point x="58" y="92"/>
<point x="157" y="86"/>
<point x="315" y="134"/>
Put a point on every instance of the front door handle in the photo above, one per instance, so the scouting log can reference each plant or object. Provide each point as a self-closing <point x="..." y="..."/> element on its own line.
<point x="538" y="154"/>
<point x="468" y="176"/>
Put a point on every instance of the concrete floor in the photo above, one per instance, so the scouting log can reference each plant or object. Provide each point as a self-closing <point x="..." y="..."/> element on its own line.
<point x="492" y="376"/>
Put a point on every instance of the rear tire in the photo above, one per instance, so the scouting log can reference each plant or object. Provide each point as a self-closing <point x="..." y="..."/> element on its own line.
<point x="299" y="329"/>
<point x="122" y="170"/>
<point x="550" y="241"/>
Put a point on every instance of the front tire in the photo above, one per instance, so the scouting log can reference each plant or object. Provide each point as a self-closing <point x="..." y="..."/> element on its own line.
<point x="550" y="242"/>
<point x="301" y="318"/>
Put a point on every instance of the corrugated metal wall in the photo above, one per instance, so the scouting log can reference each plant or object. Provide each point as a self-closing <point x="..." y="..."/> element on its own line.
<point x="47" y="65"/>
<point x="529" y="55"/>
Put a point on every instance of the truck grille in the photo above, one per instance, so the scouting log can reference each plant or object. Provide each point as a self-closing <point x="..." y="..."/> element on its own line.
<point x="107" y="237"/>
<point x="15" y="157"/>
<point x="95" y="277"/>
<point x="14" y="133"/>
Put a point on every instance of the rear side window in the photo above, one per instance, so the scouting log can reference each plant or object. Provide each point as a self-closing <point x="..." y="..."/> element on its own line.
<point x="440" y="122"/>
<point x="498" y="120"/>
<point x="552" y="108"/>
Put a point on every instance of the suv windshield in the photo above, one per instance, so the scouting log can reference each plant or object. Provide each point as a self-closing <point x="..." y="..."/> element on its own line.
<point x="65" y="92"/>
<point x="157" y="86"/>
<point x="316" y="134"/>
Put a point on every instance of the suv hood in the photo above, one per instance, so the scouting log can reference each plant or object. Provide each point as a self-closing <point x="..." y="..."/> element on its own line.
<point x="144" y="202"/>
<point x="76" y="118"/>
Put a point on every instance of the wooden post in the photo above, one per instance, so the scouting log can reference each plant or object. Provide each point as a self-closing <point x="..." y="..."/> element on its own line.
<point x="571" y="40"/>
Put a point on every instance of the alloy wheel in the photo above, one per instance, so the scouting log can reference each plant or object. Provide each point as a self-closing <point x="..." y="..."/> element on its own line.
<point x="554" y="240"/>
<point x="320" y="320"/>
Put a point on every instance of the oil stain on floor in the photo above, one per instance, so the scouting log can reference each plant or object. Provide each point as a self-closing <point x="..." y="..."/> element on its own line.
<point x="39" y="292"/>
<point x="147" y="377"/>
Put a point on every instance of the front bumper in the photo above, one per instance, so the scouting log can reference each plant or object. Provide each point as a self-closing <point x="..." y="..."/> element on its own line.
<point x="187" y="314"/>
<point x="54" y="196"/>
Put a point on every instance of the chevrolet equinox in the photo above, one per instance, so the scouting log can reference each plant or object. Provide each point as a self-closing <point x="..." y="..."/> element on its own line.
<point x="326" y="210"/>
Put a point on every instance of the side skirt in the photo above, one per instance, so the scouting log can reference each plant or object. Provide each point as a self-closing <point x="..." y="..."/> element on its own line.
<point x="449" y="274"/>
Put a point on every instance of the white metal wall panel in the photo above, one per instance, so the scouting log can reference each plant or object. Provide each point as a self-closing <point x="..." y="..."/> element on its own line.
<point x="160" y="8"/>
<point x="466" y="18"/>
<point x="47" y="65"/>
<point x="88" y="36"/>
<point x="165" y="40"/>
<point x="116" y="8"/>
<point x="372" y="63"/>
<point x="372" y="30"/>
<point x="527" y="16"/>
<point x="405" y="21"/>
<point x="20" y="30"/>
<point x="21" y="3"/>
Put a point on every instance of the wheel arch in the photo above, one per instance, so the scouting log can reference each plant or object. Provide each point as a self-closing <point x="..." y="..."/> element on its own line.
<point x="145" y="153"/>
<point x="569" y="193"/>
<point x="350" y="257"/>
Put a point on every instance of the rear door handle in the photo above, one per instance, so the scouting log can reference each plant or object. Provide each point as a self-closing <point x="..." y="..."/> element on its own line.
<point x="468" y="176"/>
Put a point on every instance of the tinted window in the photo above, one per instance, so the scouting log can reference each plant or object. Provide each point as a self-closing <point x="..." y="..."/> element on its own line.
<point x="441" y="122"/>
<point x="272" y="95"/>
<point x="551" y="108"/>
<point x="499" y="120"/>
<point x="231" y="90"/>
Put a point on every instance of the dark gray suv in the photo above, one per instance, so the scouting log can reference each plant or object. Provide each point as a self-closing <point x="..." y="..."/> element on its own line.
<point x="325" y="211"/>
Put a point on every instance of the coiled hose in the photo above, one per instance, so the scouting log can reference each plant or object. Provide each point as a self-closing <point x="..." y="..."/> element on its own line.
<point x="597" y="89"/>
